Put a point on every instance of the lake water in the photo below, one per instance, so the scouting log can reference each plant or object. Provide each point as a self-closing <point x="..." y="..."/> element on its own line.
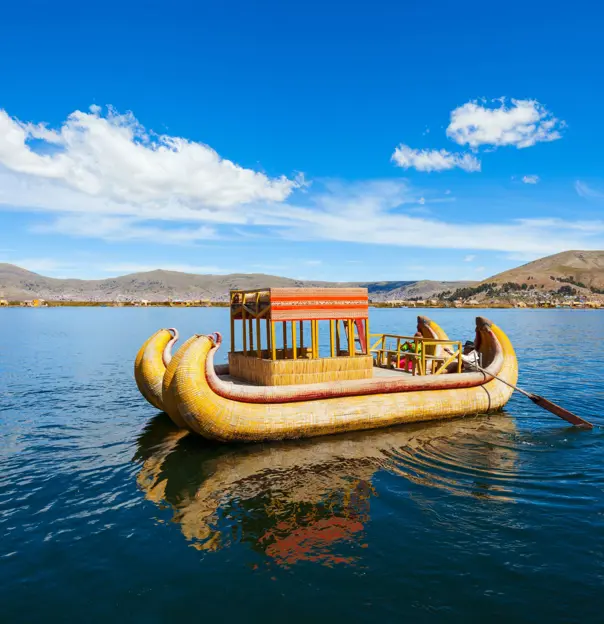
<point x="109" y="513"/>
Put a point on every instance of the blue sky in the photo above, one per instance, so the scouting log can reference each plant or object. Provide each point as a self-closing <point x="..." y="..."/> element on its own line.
<point x="338" y="141"/>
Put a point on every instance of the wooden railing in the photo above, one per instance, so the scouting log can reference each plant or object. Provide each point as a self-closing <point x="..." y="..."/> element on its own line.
<point x="422" y="355"/>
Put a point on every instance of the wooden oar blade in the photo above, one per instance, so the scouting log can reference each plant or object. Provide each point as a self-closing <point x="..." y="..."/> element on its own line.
<point x="560" y="411"/>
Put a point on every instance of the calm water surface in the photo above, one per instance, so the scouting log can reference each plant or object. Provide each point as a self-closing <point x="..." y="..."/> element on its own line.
<point x="109" y="513"/>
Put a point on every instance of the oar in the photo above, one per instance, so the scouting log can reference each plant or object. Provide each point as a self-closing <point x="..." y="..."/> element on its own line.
<point x="543" y="402"/>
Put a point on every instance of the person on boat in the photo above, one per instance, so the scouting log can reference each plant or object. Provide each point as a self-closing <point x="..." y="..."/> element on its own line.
<point x="414" y="346"/>
<point x="469" y="358"/>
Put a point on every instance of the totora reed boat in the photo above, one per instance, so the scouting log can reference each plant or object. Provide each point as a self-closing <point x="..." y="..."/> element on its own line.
<point x="322" y="372"/>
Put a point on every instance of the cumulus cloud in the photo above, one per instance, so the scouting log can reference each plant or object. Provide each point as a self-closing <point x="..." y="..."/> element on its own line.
<point x="433" y="160"/>
<point x="114" y="157"/>
<point x="107" y="177"/>
<point x="521" y="124"/>
<point x="531" y="179"/>
<point x="469" y="258"/>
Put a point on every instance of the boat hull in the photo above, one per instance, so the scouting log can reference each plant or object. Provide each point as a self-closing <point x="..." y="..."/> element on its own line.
<point x="228" y="420"/>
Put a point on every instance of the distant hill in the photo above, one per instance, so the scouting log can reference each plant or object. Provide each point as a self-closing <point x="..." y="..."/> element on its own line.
<point x="552" y="280"/>
<point x="424" y="289"/>
<point x="582" y="271"/>
<point x="573" y="267"/>
<point x="19" y="284"/>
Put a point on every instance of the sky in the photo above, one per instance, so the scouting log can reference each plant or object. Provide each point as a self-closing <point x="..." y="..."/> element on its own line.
<point x="342" y="141"/>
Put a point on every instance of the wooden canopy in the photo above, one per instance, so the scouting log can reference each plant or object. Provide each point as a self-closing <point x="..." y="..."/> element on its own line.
<point x="300" y="304"/>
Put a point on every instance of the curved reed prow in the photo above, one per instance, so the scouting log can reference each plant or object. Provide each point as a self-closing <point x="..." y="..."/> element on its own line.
<point x="149" y="366"/>
<point x="430" y="330"/>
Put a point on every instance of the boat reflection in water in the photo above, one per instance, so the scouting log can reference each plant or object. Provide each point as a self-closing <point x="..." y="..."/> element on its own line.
<point x="310" y="499"/>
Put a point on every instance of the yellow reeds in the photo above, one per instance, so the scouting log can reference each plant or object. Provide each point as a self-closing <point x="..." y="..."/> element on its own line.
<point x="285" y="372"/>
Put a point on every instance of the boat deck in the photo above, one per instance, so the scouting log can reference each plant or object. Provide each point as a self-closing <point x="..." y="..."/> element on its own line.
<point x="378" y="375"/>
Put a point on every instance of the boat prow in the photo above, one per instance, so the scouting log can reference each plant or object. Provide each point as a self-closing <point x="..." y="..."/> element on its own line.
<point x="150" y="365"/>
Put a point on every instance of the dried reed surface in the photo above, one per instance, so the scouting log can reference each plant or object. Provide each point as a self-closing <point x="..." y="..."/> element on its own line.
<point x="223" y="419"/>
<point x="300" y="371"/>
<point x="169" y="404"/>
<point x="149" y="367"/>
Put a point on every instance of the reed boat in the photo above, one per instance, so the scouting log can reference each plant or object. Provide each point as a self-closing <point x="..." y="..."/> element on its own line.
<point x="281" y="387"/>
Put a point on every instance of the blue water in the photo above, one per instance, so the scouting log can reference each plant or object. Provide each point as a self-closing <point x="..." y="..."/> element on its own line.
<point x="108" y="513"/>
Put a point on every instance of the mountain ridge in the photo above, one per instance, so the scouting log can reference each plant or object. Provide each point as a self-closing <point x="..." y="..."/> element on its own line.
<point x="20" y="284"/>
<point x="574" y="270"/>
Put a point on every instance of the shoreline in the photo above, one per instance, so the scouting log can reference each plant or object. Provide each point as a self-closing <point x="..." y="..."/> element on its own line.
<point x="39" y="303"/>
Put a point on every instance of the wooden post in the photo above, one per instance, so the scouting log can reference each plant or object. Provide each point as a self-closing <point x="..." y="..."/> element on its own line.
<point x="273" y="341"/>
<point x="338" y="345"/>
<point x="258" y="333"/>
<point x="351" y="338"/>
<point x="284" y="340"/>
<point x="269" y="342"/>
<point x="367" y="336"/>
<point x="244" y="328"/>
<point x="301" y="335"/>
<point x="332" y="344"/>
<point x="294" y="341"/>
<point x="232" y="328"/>
<point x="251" y="327"/>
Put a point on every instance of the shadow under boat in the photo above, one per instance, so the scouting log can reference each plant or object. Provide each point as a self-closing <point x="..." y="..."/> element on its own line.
<point x="305" y="499"/>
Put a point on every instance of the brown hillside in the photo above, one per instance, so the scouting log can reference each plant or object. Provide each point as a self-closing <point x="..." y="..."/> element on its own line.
<point x="18" y="284"/>
<point x="586" y="267"/>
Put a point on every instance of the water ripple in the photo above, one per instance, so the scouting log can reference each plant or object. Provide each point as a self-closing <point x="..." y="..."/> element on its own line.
<point x="96" y="489"/>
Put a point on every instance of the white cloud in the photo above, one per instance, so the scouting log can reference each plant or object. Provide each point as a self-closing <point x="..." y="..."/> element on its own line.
<point x="113" y="228"/>
<point x="42" y="265"/>
<point x="374" y="212"/>
<point x="589" y="227"/>
<point x="113" y="157"/>
<point x="85" y="268"/>
<point x="469" y="258"/>
<point x="433" y="160"/>
<point x="522" y="124"/>
<point x="105" y="177"/>
<point x="587" y="191"/>
<point x="364" y="215"/>
<point x="531" y="179"/>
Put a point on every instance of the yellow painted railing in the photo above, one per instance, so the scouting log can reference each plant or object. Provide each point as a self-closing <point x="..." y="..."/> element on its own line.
<point x="424" y="355"/>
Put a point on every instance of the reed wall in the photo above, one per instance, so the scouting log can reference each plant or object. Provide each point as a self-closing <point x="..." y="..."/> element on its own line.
<point x="289" y="372"/>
